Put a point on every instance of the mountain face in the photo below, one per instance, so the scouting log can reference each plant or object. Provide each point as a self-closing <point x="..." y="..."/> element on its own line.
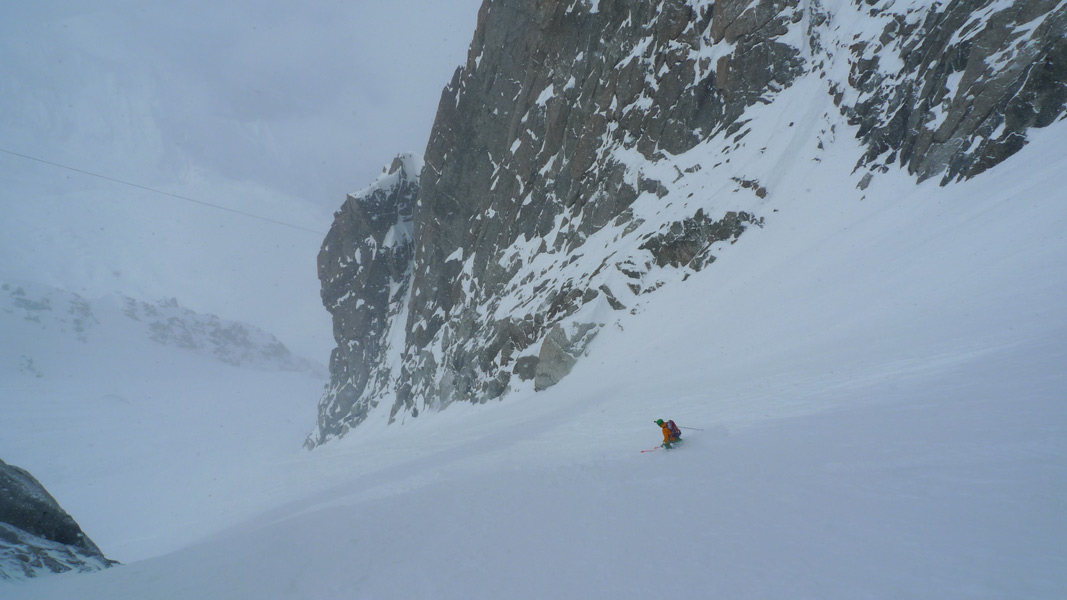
<point x="581" y="160"/>
<point x="36" y="535"/>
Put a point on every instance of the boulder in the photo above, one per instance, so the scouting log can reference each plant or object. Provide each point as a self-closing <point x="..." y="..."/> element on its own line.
<point x="36" y="535"/>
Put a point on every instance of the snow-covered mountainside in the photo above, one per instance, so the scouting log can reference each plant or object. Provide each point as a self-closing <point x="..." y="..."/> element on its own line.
<point x="36" y="535"/>
<point x="591" y="153"/>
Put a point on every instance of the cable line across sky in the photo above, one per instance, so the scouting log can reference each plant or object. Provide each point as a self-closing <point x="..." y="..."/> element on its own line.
<point x="158" y="191"/>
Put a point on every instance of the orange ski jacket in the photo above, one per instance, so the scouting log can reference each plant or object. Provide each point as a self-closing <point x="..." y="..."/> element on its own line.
<point x="668" y="435"/>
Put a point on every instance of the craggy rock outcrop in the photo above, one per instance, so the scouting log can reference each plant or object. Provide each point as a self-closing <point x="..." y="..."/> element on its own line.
<point x="365" y="285"/>
<point x="684" y="244"/>
<point x="36" y="535"/>
<point x="950" y="88"/>
<point x="558" y="185"/>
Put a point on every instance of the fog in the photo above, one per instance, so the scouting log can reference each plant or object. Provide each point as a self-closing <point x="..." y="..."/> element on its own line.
<point x="268" y="108"/>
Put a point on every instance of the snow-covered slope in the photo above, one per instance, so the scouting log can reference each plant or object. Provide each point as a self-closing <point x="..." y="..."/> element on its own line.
<point x="878" y="386"/>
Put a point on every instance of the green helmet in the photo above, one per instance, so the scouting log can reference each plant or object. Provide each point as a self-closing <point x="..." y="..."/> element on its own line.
<point x="659" y="422"/>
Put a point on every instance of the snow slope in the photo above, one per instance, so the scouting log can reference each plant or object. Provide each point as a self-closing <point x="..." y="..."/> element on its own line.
<point x="877" y="379"/>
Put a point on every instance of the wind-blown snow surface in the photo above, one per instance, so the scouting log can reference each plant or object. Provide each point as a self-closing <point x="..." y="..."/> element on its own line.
<point x="880" y="389"/>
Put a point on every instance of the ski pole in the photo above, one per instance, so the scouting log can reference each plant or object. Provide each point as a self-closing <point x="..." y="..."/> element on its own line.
<point x="693" y="428"/>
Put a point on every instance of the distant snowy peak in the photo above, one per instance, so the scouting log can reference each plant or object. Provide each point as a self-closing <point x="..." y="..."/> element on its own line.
<point x="55" y="322"/>
<point x="230" y="342"/>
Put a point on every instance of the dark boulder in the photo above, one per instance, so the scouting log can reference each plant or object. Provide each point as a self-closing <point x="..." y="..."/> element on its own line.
<point x="36" y="535"/>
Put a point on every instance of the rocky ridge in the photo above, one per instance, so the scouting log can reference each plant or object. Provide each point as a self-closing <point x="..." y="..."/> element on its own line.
<point x="576" y="172"/>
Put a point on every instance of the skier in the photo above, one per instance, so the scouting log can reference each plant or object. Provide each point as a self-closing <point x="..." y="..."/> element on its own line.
<point x="671" y="433"/>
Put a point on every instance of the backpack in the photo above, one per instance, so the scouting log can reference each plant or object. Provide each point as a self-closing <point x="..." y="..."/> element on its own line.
<point x="674" y="429"/>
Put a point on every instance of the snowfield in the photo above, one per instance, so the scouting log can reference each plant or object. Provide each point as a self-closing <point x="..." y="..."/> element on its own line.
<point x="875" y="389"/>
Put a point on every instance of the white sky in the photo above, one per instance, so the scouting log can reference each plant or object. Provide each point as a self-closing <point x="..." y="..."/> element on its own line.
<point x="311" y="98"/>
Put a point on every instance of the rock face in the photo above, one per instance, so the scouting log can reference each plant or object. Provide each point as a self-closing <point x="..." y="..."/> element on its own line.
<point x="950" y="89"/>
<point x="365" y="286"/>
<point x="36" y="535"/>
<point x="557" y="192"/>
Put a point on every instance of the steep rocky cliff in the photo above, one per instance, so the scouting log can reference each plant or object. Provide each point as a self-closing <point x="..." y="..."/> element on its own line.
<point x="583" y="153"/>
<point x="364" y="285"/>
<point x="36" y="535"/>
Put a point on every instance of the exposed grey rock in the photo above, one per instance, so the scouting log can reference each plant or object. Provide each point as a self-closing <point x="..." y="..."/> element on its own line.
<point x="365" y="265"/>
<point x="36" y="535"/>
<point x="560" y="352"/>
<point x="526" y="367"/>
<point x="950" y="88"/>
<point x="686" y="243"/>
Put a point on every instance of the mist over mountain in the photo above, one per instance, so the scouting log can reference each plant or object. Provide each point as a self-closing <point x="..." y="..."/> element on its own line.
<point x="165" y="92"/>
<point x="268" y="109"/>
<point x="44" y="326"/>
